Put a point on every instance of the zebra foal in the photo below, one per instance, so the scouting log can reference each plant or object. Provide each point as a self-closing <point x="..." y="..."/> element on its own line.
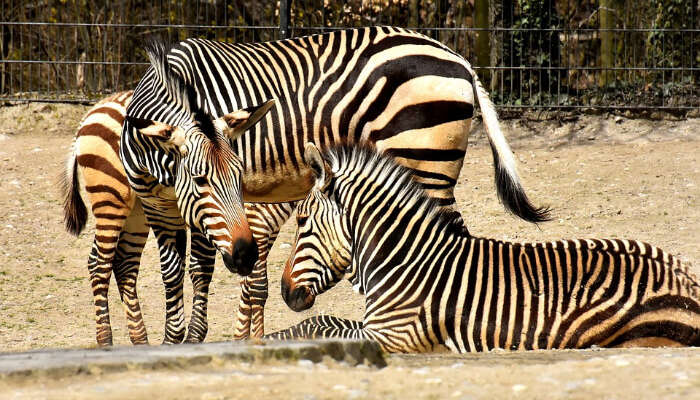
<point x="95" y="154"/>
<point x="188" y="176"/>
<point x="429" y="285"/>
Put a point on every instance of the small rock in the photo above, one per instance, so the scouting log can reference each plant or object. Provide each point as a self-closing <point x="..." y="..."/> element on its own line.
<point x="619" y="120"/>
<point x="681" y="376"/>
<point x="657" y="115"/>
<point x="622" y="363"/>
<point x="46" y="108"/>
<point x="305" y="363"/>
<point x="357" y="394"/>
<point x="421" y="371"/>
<point x="518" y="388"/>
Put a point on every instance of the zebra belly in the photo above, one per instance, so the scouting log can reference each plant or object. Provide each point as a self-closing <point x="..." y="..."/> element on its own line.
<point x="276" y="187"/>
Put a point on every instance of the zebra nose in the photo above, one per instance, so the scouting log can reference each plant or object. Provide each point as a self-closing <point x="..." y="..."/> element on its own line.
<point x="243" y="257"/>
<point x="298" y="299"/>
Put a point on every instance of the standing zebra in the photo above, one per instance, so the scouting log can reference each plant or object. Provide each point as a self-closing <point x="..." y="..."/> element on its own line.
<point x="428" y="285"/>
<point x="190" y="176"/>
<point x="406" y="94"/>
<point x="95" y="152"/>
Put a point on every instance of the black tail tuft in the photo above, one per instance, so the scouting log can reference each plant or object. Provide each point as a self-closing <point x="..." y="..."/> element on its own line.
<point x="514" y="198"/>
<point x="74" y="211"/>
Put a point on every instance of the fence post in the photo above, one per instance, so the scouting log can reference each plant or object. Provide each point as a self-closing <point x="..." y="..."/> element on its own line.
<point x="285" y="16"/>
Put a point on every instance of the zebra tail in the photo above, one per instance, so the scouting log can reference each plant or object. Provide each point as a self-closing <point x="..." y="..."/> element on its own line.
<point x="510" y="190"/>
<point x="74" y="210"/>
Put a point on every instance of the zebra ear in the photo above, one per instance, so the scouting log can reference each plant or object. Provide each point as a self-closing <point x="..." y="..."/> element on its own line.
<point x="318" y="166"/>
<point x="235" y="123"/>
<point x="158" y="129"/>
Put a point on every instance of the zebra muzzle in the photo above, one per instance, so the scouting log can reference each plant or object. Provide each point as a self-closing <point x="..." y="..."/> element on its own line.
<point x="298" y="298"/>
<point x="243" y="257"/>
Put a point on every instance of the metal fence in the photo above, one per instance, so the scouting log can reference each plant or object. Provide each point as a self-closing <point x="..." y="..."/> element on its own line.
<point x="610" y="54"/>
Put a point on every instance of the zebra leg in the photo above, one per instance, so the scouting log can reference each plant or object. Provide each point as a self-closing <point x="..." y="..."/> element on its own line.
<point x="172" y="244"/>
<point x="108" y="227"/>
<point x="321" y="327"/>
<point x="201" y="269"/>
<point x="126" y="269"/>
<point x="265" y="221"/>
<point x="100" y="270"/>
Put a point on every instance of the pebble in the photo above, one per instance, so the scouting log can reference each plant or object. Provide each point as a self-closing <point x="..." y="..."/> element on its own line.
<point x="305" y="363"/>
<point x="518" y="388"/>
<point x="622" y="363"/>
<point x="421" y="371"/>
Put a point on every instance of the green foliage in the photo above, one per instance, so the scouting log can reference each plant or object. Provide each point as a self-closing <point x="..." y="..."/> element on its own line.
<point x="532" y="43"/>
<point x="669" y="15"/>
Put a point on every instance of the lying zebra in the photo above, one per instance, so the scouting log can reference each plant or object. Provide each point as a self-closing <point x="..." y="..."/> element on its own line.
<point x="428" y="285"/>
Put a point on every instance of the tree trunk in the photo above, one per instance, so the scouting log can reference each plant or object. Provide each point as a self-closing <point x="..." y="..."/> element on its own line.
<point x="481" y="21"/>
<point x="413" y="13"/>
<point x="607" y="11"/>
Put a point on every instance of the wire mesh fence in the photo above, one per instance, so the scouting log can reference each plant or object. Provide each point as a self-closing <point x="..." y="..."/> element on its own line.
<point x="611" y="54"/>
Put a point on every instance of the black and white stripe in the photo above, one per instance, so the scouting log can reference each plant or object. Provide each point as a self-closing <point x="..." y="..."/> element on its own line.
<point x="429" y="285"/>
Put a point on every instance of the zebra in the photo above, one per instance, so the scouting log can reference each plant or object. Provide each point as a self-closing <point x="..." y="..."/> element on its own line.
<point x="428" y="286"/>
<point x="190" y="177"/>
<point x="402" y="92"/>
<point x="96" y="153"/>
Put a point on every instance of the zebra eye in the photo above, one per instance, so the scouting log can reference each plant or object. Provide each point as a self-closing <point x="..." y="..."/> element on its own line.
<point x="301" y="219"/>
<point x="200" y="180"/>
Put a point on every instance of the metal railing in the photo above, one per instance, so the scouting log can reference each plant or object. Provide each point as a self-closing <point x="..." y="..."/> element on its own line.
<point x="568" y="54"/>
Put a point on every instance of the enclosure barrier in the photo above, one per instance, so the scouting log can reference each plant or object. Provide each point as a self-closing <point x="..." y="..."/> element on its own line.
<point x="567" y="54"/>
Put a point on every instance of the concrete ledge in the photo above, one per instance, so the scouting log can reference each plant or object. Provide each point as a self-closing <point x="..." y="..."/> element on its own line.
<point x="60" y="363"/>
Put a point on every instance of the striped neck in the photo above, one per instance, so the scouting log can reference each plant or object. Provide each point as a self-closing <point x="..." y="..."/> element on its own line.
<point x="386" y="212"/>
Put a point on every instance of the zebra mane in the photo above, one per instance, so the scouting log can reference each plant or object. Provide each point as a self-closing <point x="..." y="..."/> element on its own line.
<point x="179" y="92"/>
<point x="353" y="160"/>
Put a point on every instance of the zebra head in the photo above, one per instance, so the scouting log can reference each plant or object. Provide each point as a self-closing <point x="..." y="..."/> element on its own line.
<point x="322" y="249"/>
<point x="207" y="179"/>
<point x="204" y="171"/>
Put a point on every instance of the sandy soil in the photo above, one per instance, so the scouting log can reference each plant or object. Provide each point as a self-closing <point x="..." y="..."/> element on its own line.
<point x="603" y="176"/>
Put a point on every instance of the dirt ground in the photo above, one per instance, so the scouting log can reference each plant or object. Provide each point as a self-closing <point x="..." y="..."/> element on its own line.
<point x="604" y="176"/>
